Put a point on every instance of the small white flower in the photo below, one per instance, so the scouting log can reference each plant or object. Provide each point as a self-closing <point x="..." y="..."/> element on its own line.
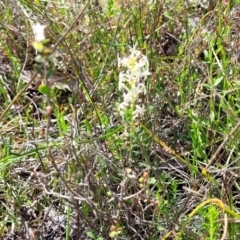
<point x="143" y="62"/>
<point x="134" y="51"/>
<point x="123" y="79"/>
<point x="38" y="30"/>
<point x="138" y="112"/>
<point x="130" y="97"/>
<point x="122" y="108"/>
<point x="141" y="88"/>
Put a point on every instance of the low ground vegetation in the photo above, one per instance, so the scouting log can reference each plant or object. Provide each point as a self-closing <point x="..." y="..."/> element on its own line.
<point x="119" y="120"/>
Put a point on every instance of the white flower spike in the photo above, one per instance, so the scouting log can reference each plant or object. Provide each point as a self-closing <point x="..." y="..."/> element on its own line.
<point x="132" y="82"/>
<point x="38" y="30"/>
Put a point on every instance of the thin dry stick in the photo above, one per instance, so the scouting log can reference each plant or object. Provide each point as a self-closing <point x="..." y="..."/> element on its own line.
<point x="224" y="236"/>
<point x="54" y="48"/>
<point x="34" y="76"/>
<point x="17" y="96"/>
<point x="213" y="158"/>
<point x="70" y="27"/>
<point x="49" y="114"/>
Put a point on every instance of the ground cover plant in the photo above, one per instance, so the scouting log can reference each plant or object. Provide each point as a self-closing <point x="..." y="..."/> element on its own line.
<point x="119" y="119"/>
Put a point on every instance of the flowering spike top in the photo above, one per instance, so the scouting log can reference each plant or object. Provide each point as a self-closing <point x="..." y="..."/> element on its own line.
<point x="132" y="81"/>
<point x="136" y="62"/>
<point x="38" y="30"/>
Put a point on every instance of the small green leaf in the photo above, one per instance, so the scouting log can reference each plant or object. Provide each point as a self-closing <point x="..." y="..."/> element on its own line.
<point x="151" y="181"/>
<point x="160" y="228"/>
<point x="44" y="89"/>
<point x="91" y="234"/>
<point x="217" y="81"/>
<point x="113" y="234"/>
<point x="38" y="46"/>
